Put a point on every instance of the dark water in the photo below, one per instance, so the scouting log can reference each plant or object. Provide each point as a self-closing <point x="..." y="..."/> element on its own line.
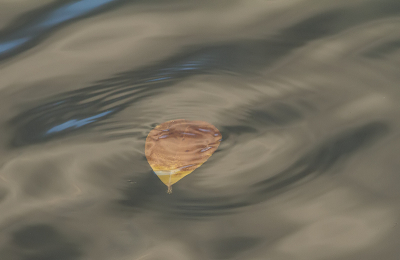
<point x="305" y="93"/>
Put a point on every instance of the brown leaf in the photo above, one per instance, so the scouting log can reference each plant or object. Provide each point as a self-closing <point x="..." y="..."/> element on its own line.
<point x="176" y="148"/>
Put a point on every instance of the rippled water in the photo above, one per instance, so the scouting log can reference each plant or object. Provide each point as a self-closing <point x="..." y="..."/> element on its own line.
<point x="305" y="94"/>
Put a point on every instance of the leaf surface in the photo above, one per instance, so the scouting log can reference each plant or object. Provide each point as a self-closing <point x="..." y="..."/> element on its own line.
<point x="176" y="148"/>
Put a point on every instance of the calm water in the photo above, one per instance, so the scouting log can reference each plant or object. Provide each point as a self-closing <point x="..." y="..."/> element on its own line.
<point x="305" y="93"/>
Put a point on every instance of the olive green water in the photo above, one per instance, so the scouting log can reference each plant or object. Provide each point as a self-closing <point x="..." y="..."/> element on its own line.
<point x="305" y="94"/>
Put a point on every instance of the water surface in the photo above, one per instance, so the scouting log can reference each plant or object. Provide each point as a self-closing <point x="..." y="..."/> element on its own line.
<point x="304" y="92"/>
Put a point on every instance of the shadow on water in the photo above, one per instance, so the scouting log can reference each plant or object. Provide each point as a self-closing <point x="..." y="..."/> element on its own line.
<point x="384" y="49"/>
<point x="79" y="109"/>
<point x="43" y="242"/>
<point x="227" y="248"/>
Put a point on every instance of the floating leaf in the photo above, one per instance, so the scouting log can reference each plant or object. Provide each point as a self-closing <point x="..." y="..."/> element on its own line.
<point x="176" y="148"/>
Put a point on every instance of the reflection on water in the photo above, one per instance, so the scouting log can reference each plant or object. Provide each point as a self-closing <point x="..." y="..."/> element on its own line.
<point x="43" y="21"/>
<point x="305" y="95"/>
